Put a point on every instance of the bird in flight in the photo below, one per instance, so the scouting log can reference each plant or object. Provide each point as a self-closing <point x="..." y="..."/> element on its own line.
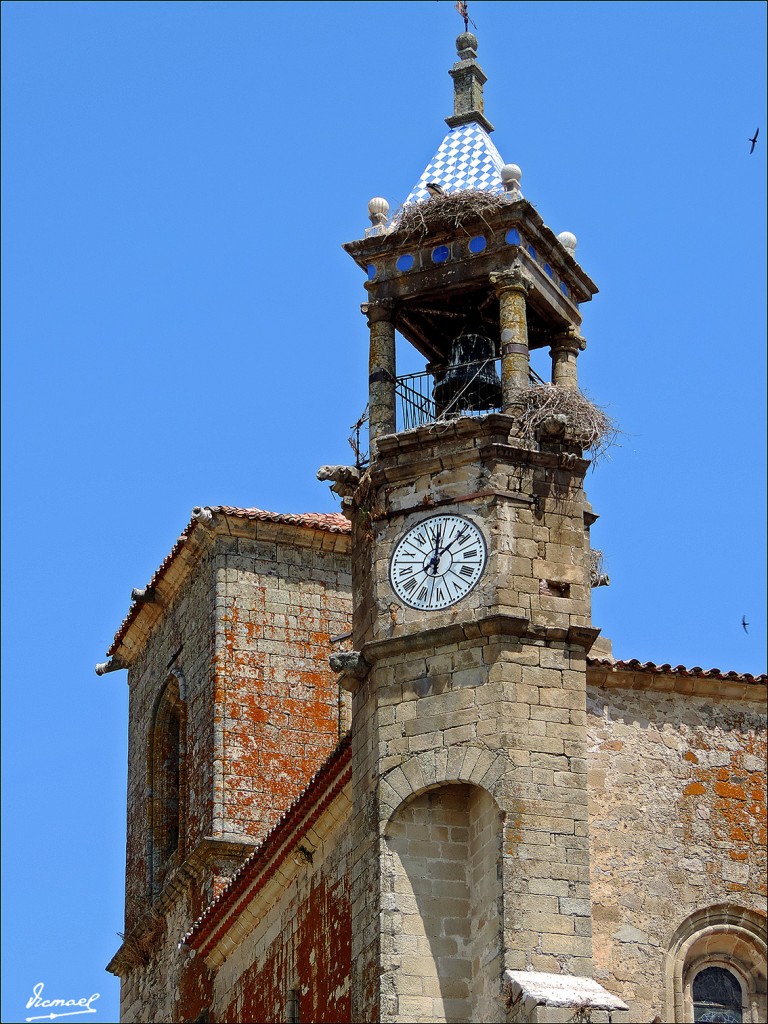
<point x="744" y="623"/>
<point x="434" y="189"/>
<point x="753" y="140"/>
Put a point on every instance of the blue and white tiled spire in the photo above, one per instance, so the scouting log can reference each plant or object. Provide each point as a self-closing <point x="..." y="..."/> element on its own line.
<point x="466" y="158"/>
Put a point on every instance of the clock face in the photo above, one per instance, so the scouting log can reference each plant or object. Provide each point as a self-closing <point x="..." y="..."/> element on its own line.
<point x="437" y="562"/>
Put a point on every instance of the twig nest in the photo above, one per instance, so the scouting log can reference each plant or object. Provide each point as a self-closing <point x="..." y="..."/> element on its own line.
<point x="549" y="411"/>
<point x="447" y="213"/>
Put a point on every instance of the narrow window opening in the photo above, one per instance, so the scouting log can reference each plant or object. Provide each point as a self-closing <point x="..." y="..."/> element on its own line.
<point x="293" y="1014"/>
<point x="167" y="788"/>
<point x="171" y="785"/>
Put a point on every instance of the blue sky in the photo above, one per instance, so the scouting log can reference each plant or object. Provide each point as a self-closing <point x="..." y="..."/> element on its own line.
<point x="181" y="327"/>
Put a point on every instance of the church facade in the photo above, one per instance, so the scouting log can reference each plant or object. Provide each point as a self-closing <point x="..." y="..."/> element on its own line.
<point x="382" y="766"/>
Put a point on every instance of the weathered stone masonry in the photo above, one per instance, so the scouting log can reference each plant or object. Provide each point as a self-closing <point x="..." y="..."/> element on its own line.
<point x="239" y="623"/>
<point x="483" y="816"/>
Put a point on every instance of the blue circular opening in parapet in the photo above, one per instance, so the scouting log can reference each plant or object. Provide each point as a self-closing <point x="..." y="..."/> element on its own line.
<point x="477" y="244"/>
<point x="405" y="262"/>
<point x="548" y="270"/>
<point x="563" y="287"/>
<point x="532" y="251"/>
<point x="512" y="237"/>
<point x="440" y="254"/>
<point x="372" y="271"/>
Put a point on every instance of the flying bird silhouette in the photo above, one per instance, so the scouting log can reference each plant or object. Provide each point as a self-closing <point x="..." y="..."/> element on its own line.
<point x="744" y="623"/>
<point x="753" y="140"/>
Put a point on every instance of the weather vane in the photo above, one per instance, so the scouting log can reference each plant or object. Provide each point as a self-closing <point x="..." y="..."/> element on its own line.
<point x="463" y="8"/>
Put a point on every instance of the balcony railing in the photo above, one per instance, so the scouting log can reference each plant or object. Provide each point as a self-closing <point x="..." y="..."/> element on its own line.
<point x="416" y="394"/>
<point x="416" y="406"/>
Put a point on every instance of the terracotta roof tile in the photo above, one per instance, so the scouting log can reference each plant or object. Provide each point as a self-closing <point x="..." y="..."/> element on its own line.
<point x="331" y="521"/>
<point x="633" y="665"/>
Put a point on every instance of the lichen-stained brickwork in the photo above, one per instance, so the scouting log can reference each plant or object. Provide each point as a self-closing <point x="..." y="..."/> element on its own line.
<point x="238" y="628"/>
<point x="277" y="703"/>
<point x="677" y="824"/>
<point x="291" y="945"/>
<point x="181" y="642"/>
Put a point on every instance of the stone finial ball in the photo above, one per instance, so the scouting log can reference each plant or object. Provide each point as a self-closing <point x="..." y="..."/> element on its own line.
<point x="466" y="41"/>
<point x="511" y="172"/>
<point x="568" y="240"/>
<point x="377" y="205"/>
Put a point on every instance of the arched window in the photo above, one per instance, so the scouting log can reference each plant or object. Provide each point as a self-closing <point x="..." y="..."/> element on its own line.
<point x="717" y="997"/>
<point x="716" y="967"/>
<point x="167" y="784"/>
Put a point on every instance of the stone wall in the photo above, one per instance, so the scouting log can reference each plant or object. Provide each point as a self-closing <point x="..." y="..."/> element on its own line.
<point x="293" y="943"/>
<point x="677" y="825"/>
<point x="179" y="649"/>
<point x="444" y="923"/>
<point x="240" y="629"/>
<point x="278" y="705"/>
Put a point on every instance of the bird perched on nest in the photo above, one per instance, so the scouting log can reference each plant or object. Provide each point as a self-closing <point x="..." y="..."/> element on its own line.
<point x="434" y="189"/>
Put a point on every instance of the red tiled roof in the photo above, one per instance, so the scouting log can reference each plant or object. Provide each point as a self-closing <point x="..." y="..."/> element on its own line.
<point x="304" y="811"/>
<point x="633" y="665"/>
<point x="333" y="522"/>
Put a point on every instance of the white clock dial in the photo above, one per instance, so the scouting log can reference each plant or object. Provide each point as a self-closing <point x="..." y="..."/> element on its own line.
<point x="437" y="562"/>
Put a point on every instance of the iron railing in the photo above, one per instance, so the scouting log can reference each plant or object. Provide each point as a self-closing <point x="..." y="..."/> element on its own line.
<point x="416" y="402"/>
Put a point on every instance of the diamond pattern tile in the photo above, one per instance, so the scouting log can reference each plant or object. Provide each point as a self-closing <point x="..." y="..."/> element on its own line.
<point x="466" y="159"/>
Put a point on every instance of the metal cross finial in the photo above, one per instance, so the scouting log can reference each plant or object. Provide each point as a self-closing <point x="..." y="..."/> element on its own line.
<point x="463" y="8"/>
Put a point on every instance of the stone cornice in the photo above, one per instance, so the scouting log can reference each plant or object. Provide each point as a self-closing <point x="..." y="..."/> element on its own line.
<point x="499" y="624"/>
<point x="147" y="931"/>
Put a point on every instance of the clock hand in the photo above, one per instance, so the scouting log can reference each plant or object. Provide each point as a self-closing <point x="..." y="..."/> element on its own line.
<point x="458" y="536"/>
<point x="435" y="559"/>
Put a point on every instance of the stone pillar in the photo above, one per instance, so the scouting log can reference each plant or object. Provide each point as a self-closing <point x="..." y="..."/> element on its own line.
<point x="468" y="81"/>
<point x="381" y="369"/>
<point x="564" y="350"/>
<point x="511" y="288"/>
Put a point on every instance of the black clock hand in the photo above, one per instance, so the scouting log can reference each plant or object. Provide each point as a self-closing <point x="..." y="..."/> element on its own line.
<point x="458" y="536"/>
<point x="435" y="559"/>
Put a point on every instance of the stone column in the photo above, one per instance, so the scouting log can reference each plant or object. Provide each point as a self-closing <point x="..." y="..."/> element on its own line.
<point x="381" y="369"/>
<point x="564" y="350"/>
<point x="511" y="288"/>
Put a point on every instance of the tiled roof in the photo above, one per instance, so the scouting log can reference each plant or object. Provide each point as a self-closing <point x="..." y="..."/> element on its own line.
<point x="633" y="665"/>
<point x="333" y="522"/>
<point x="324" y="783"/>
<point x="466" y="159"/>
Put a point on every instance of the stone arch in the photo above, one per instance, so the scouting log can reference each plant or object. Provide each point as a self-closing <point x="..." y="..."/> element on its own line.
<point x="442" y="902"/>
<point x="166" y="781"/>
<point x="448" y="765"/>
<point x="726" y="936"/>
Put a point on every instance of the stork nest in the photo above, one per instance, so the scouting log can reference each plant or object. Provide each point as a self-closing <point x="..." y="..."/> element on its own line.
<point x="449" y="212"/>
<point x="547" y="409"/>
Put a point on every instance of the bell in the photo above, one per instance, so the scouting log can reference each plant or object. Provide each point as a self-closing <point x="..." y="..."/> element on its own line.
<point x="471" y="383"/>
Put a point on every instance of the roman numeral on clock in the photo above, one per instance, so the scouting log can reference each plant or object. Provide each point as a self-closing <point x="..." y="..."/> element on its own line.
<point x="437" y="562"/>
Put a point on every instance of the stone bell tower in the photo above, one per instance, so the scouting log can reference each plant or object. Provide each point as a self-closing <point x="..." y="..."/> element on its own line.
<point x="472" y="613"/>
